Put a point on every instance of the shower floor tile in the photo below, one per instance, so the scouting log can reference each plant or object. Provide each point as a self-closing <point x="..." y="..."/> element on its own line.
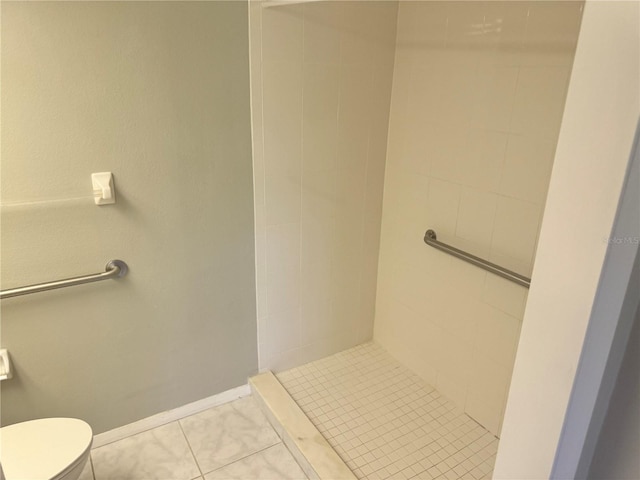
<point x="387" y="423"/>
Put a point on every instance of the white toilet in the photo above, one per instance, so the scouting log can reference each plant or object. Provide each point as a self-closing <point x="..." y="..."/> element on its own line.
<point x="45" y="449"/>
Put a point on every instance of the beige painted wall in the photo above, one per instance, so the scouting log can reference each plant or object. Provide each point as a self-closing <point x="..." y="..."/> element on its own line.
<point x="478" y="95"/>
<point x="321" y="87"/>
<point x="157" y="93"/>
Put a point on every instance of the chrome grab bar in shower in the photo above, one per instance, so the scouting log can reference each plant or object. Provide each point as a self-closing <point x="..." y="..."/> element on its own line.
<point x="113" y="269"/>
<point x="431" y="239"/>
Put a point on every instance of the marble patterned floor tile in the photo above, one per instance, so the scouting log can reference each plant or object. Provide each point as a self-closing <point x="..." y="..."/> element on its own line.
<point x="274" y="463"/>
<point x="221" y="435"/>
<point x="159" y="454"/>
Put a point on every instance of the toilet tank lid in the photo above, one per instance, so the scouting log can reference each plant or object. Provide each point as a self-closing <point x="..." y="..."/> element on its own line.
<point x="43" y="448"/>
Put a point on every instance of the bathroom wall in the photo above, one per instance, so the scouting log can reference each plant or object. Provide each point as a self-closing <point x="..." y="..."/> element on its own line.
<point x="478" y="96"/>
<point x="321" y="86"/>
<point x="574" y="294"/>
<point x="157" y="93"/>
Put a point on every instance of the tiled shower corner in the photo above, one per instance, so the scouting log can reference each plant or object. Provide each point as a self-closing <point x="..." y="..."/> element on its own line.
<point x="387" y="423"/>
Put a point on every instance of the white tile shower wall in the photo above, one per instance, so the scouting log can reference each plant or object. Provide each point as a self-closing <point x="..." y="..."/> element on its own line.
<point x="478" y="95"/>
<point x="321" y="76"/>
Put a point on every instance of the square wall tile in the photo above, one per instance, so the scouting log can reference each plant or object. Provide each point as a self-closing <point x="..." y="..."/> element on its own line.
<point x="261" y="272"/>
<point x="316" y="284"/>
<point x="357" y="42"/>
<point x="425" y="86"/>
<point x="453" y="388"/>
<point x="445" y="150"/>
<point x="316" y="320"/>
<point x="496" y="92"/>
<point x="283" y="288"/>
<point x="527" y="168"/>
<point x="322" y="32"/>
<point x="283" y="331"/>
<point x="468" y="279"/>
<point x="497" y="335"/>
<point x="539" y="101"/>
<point x="454" y="359"/>
<point x="459" y="92"/>
<point x="345" y="267"/>
<point x="486" y="414"/>
<point x="350" y="190"/>
<point x="506" y="25"/>
<point x="282" y="34"/>
<point x="482" y="160"/>
<point x="283" y="245"/>
<point x="283" y="197"/>
<point x="442" y="205"/>
<point x="422" y="23"/>
<point x="518" y="265"/>
<point x="489" y="381"/>
<point x="476" y="215"/>
<point x="317" y="238"/>
<point x="406" y="288"/>
<point x="487" y="391"/>
<point x="282" y="92"/>
<point x="345" y="312"/>
<point x="319" y="194"/>
<point x="409" y="195"/>
<point x="504" y="295"/>
<point x="354" y="116"/>
<point x="382" y="28"/>
<point x="374" y="188"/>
<point x="552" y="32"/>
<point x="465" y="21"/>
<point x="283" y="267"/>
<point x="516" y="228"/>
<point x="320" y="117"/>
<point x="420" y="145"/>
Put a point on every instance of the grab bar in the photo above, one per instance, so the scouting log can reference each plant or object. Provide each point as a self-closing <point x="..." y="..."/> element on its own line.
<point x="430" y="238"/>
<point x="113" y="269"/>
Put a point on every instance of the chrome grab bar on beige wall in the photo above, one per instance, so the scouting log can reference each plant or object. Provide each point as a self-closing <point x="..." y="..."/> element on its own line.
<point x="113" y="269"/>
<point x="431" y="239"/>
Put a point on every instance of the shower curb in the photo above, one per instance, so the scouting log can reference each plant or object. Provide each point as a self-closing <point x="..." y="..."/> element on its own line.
<point x="311" y="450"/>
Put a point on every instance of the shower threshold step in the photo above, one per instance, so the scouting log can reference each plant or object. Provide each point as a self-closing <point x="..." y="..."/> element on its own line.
<point x="310" y="449"/>
<point x="383" y="421"/>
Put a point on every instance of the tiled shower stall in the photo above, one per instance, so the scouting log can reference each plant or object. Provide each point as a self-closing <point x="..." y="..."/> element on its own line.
<point x="374" y="121"/>
<point x="326" y="137"/>
<point x="276" y="165"/>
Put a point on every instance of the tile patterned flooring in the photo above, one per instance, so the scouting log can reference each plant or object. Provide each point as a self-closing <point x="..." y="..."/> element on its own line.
<point x="383" y="420"/>
<point x="387" y="423"/>
<point x="233" y="441"/>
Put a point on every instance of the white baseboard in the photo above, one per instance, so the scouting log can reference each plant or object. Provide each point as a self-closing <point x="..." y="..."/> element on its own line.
<point x="169" y="416"/>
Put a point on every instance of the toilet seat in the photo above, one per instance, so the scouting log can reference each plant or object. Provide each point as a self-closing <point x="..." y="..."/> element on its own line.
<point x="43" y="449"/>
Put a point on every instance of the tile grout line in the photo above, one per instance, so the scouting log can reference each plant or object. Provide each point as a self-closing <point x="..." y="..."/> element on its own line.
<point x="280" y="442"/>
<point x="195" y="459"/>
